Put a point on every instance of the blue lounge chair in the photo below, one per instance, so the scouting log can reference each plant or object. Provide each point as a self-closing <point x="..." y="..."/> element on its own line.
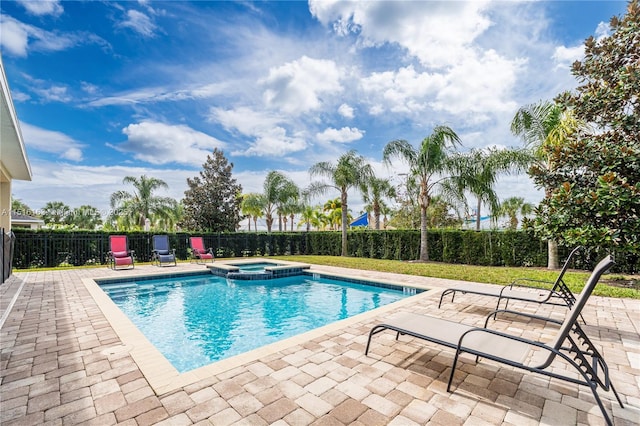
<point x="162" y="254"/>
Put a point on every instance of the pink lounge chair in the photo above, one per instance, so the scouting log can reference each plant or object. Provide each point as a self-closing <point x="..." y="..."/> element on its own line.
<point x="198" y="252"/>
<point x="119" y="253"/>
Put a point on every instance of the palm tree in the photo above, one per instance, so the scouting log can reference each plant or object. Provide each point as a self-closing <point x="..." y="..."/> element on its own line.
<point x="55" y="213"/>
<point x="287" y="196"/>
<point x="513" y="206"/>
<point x="136" y="207"/>
<point x="351" y="171"/>
<point x="545" y="124"/>
<point x="252" y="206"/>
<point x="374" y="193"/>
<point x="333" y="212"/>
<point x="480" y="170"/>
<point x="428" y="165"/>
<point x="277" y="188"/>
<point x="85" y="217"/>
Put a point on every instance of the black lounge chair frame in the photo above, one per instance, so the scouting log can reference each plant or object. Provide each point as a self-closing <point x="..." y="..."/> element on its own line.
<point x="559" y="294"/>
<point x="571" y="343"/>
<point x="161" y="252"/>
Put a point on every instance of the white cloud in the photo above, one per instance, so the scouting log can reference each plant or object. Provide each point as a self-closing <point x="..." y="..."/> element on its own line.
<point x="424" y="29"/>
<point x="52" y="142"/>
<point x="297" y="87"/>
<point x="160" y="94"/>
<point x="346" y="111"/>
<point x="245" y="120"/>
<point x="43" y="7"/>
<point x="274" y="142"/>
<point x="78" y="185"/>
<point x="565" y="56"/>
<point x="160" y="143"/>
<point x="17" y="38"/>
<point x="344" y="135"/>
<point x="139" y="22"/>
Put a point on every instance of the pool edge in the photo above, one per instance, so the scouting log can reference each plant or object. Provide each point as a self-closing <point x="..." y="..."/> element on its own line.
<point x="163" y="377"/>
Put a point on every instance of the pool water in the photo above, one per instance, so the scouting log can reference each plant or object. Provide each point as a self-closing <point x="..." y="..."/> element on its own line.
<point x="194" y="321"/>
<point x="253" y="267"/>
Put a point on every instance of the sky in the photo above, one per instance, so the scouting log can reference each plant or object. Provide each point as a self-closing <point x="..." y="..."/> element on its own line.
<point x="107" y="89"/>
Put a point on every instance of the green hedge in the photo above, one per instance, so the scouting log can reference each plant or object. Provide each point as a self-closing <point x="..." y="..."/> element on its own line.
<point x="49" y="248"/>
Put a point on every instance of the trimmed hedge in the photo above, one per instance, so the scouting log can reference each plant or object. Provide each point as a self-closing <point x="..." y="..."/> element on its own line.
<point x="50" y="248"/>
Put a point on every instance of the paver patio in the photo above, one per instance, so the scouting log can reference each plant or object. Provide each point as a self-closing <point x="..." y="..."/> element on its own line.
<point x="63" y="363"/>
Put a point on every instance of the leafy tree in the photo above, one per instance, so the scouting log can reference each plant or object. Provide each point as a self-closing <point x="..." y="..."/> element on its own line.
<point x="480" y="170"/>
<point x="85" y="217"/>
<point x="351" y="171"/>
<point x="374" y="193"/>
<point x="252" y="206"/>
<point x="430" y="165"/>
<point x="17" y="206"/>
<point x="212" y="202"/>
<point x="545" y="126"/>
<point x="595" y="186"/>
<point x="132" y="209"/>
<point x="56" y="214"/>
<point x="512" y="207"/>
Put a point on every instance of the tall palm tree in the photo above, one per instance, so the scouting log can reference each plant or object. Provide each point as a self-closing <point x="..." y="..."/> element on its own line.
<point x="542" y="125"/>
<point x="480" y="170"/>
<point x="141" y="203"/>
<point x="374" y="193"/>
<point x="513" y="206"/>
<point x="351" y="171"/>
<point x="287" y="196"/>
<point x="277" y="188"/>
<point x="428" y="165"/>
<point x="252" y="206"/>
<point x="55" y="213"/>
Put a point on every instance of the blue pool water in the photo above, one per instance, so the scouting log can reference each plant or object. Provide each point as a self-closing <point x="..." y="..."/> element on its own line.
<point x="196" y="320"/>
<point x="253" y="267"/>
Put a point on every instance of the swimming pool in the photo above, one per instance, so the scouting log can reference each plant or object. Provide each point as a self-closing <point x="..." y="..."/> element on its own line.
<point x="196" y="320"/>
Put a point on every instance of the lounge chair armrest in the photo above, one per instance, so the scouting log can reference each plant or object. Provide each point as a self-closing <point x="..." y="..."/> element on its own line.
<point x="517" y="282"/>
<point x="524" y="314"/>
<point x="500" y="333"/>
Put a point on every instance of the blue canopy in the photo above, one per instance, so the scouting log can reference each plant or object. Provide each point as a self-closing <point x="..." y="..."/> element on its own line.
<point x="361" y="221"/>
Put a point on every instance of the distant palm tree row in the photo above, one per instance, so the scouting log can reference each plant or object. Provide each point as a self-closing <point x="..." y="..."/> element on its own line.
<point x="437" y="181"/>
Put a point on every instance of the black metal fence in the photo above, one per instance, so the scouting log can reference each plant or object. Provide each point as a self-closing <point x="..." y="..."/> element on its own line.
<point x="50" y="248"/>
<point x="6" y="254"/>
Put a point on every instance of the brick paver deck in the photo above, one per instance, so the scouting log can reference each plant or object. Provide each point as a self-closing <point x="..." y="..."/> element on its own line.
<point x="63" y="363"/>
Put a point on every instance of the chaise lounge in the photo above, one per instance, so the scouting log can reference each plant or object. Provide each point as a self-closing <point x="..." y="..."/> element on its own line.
<point x="161" y="252"/>
<point x="198" y="252"/>
<point x="570" y="344"/>
<point x="119" y="253"/>
<point x="558" y="294"/>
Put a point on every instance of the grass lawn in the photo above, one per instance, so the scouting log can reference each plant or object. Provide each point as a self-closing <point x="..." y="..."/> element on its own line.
<point x="484" y="274"/>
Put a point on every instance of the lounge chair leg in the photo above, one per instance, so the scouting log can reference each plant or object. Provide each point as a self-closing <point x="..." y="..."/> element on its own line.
<point x="594" y="390"/>
<point x="453" y="369"/>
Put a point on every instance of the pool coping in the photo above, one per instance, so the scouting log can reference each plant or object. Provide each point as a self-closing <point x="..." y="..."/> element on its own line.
<point x="163" y="377"/>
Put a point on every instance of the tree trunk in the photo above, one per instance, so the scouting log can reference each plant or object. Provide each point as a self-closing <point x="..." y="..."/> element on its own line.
<point x="376" y="217"/>
<point x="255" y="223"/>
<point x="269" y="221"/>
<point x="344" y="222"/>
<point x="478" y="214"/>
<point x="424" y="247"/>
<point x="552" y="247"/>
